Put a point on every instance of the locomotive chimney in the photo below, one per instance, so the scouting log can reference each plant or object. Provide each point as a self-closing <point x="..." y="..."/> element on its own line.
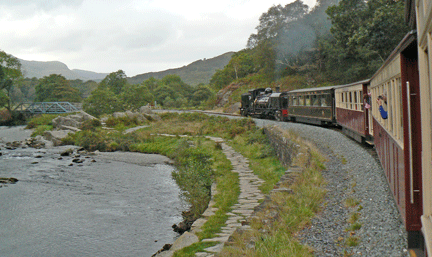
<point x="277" y="89"/>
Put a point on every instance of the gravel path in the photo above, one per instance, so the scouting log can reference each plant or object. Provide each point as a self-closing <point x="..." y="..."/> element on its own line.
<point x="352" y="171"/>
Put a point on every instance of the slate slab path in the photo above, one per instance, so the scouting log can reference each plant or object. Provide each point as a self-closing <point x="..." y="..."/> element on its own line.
<point x="249" y="198"/>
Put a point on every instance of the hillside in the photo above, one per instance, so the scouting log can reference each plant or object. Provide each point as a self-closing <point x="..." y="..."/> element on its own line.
<point x="193" y="74"/>
<point x="38" y="69"/>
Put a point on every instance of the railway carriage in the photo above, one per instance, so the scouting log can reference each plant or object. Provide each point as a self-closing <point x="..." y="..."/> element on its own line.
<point x="419" y="16"/>
<point x="397" y="136"/>
<point x="353" y="110"/>
<point x="312" y="105"/>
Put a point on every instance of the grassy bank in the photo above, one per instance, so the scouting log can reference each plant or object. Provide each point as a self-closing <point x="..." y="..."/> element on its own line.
<point x="200" y="162"/>
<point x="275" y="227"/>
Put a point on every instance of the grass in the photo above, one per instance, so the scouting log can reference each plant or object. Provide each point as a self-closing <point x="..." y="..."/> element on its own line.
<point x="275" y="228"/>
<point x="351" y="202"/>
<point x="352" y="241"/>
<point x="353" y="219"/>
<point x="201" y="160"/>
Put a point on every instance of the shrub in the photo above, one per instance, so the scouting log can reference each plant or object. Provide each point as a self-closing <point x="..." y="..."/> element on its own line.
<point x="125" y="121"/>
<point x="44" y="119"/>
<point x="91" y="124"/>
<point x="39" y="131"/>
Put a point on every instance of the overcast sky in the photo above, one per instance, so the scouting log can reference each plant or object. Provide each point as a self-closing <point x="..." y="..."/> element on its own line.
<point x="136" y="36"/>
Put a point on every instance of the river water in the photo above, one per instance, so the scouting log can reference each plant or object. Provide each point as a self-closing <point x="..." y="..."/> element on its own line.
<point x="103" y="206"/>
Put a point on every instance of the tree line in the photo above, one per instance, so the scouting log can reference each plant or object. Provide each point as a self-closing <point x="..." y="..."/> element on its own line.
<point x="112" y="94"/>
<point x="337" y="41"/>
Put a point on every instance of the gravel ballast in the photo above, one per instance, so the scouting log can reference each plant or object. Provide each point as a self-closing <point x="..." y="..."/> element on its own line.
<point x="352" y="171"/>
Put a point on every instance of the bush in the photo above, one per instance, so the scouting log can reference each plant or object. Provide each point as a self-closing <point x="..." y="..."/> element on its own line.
<point x="122" y="121"/>
<point x="39" y="131"/>
<point x="87" y="139"/>
<point x="44" y="119"/>
<point x="91" y="124"/>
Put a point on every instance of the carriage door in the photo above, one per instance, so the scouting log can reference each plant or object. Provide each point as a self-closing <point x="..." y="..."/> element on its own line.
<point x="412" y="141"/>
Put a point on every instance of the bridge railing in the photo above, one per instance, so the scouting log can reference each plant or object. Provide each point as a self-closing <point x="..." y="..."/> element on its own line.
<point x="47" y="108"/>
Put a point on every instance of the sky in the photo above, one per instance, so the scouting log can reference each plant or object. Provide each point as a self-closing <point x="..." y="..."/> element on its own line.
<point x="136" y="36"/>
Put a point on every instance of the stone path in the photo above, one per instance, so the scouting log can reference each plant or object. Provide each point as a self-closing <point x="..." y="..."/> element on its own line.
<point x="249" y="198"/>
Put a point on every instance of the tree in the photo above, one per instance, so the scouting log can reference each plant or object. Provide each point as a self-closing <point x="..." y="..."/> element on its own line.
<point x="151" y="83"/>
<point x="115" y="81"/>
<point x="241" y="64"/>
<point x="277" y="18"/>
<point x="10" y="74"/>
<point x="135" y="96"/>
<point x="363" y="34"/>
<point x="164" y="92"/>
<point x="102" y="101"/>
<point x="27" y="88"/>
<point x="201" y="94"/>
<point x="55" y="88"/>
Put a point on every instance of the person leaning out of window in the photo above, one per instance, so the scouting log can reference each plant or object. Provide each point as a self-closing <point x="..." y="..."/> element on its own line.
<point x="382" y="100"/>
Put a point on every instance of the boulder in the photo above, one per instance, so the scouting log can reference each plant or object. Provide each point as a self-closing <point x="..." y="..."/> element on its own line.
<point x="35" y="143"/>
<point x="73" y="120"/>
<point x="145" y="110"/>
<point x="119" y="114"/>
<point x="140" y="117"/>
<point x="184" y="240"/>
<point x="66" y="121"/>
<point x="86" y="116"/>
<point x="56" y="136"/>
<point x="67" y="152"/>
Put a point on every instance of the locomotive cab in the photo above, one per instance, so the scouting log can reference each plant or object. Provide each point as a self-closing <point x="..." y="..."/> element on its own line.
<point x="278" y="102"/>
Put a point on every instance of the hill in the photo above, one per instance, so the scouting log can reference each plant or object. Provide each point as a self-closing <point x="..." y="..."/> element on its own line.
<point x="38" y="69"/>
<point x="193" y="74"/>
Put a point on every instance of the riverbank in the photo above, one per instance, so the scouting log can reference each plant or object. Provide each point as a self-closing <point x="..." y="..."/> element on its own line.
<point x="103" y="204"/>
<point x="20" y="134"/>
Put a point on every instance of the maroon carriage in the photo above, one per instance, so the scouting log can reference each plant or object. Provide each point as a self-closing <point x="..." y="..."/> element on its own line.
<point x="397" y="133"/>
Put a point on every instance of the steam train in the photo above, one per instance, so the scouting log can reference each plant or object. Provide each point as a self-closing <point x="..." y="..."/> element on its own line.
<point x="402" y="138"/>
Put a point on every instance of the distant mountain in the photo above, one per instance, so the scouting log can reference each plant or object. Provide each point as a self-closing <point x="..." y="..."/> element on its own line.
<point x="90" y="75"/>
<point x="193" y="74"/>
<point x="38" y="69"/>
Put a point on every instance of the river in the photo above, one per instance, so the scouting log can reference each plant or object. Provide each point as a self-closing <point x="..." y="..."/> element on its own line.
<point x="112" y="204"/>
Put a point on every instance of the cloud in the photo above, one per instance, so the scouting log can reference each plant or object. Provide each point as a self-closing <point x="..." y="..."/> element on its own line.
<point x="134" y="35"/>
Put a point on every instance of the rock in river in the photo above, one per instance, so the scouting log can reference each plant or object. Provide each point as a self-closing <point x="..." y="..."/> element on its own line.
<point x="8" y="180"/>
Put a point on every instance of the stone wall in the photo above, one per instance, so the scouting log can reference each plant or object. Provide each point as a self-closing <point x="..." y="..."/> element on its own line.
<point x="285" y="149"/>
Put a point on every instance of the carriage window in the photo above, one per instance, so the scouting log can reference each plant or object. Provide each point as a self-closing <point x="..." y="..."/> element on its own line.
<point x="308" y="101"/>
<point x="400" y="114"/>
<point x="347" y="98"/>
<point x="301" y="100"/>
<point x="325" y="101"/>
<point x="355" y="100"/>
<point x="315" y="100"/>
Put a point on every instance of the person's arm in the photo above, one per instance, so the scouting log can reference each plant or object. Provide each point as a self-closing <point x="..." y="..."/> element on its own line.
<point x="383" y="113"/>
